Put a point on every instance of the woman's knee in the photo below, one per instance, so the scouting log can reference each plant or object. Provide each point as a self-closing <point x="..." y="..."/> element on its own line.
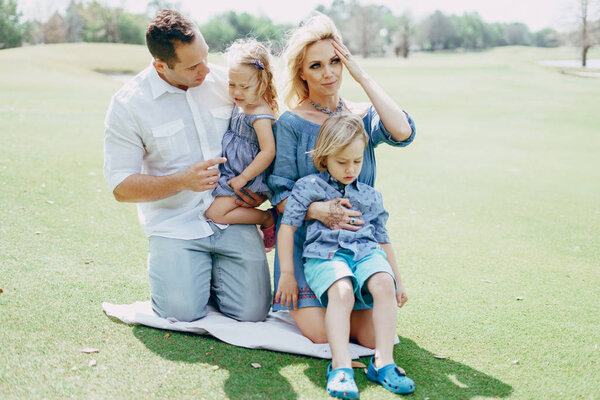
<point x="316" y="334"/>
<point x="362" y="329"/>
<point x="311" y="321"/>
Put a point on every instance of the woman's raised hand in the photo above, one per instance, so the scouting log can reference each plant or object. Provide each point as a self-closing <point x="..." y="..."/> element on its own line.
<point x="344" y="54"/>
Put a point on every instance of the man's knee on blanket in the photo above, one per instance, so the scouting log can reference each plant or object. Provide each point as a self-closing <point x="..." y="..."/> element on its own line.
<point x="181" y="311"/>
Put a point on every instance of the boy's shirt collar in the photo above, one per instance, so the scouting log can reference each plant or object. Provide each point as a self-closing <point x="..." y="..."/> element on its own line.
<point x="326" y="176"/>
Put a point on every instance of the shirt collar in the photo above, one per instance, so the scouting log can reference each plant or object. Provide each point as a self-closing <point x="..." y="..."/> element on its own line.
<point x="159" y="86"/>
<point x="326" y="176"/>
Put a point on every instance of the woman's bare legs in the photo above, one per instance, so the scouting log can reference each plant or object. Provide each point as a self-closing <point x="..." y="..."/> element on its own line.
<point x="223" y="210"/>
<point x="311" y="321"/>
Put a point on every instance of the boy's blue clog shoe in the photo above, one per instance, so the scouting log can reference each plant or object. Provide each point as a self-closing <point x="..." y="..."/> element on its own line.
<point x="341" y="384"/>
<point x="391" y="377"/>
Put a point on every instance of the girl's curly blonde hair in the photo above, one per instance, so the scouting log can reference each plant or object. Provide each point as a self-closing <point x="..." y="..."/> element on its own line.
<point x="254" y="54"/>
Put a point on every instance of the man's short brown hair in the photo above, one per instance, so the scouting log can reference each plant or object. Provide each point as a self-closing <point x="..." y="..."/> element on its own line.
<point x="165" y="29"/>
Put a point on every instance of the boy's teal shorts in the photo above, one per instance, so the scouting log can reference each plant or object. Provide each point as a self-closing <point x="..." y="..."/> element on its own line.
<point x="321" y="274"/>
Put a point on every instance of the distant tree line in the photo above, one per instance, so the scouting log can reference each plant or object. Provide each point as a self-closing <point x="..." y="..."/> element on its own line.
<point x="374" y="30"/>
<point x="369" y="30"/>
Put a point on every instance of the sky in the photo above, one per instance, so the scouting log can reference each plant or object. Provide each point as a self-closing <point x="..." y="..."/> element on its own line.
<point x="537" y="14"/>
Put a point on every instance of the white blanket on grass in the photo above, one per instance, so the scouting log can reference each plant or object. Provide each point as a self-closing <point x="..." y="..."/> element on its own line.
<point x="277" y="333"/>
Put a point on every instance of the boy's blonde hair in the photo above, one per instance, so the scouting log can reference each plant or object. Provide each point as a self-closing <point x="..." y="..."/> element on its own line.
<point x="317" y="28"/>
<point x="254" y="54"/>
<point x="337" y="132"/>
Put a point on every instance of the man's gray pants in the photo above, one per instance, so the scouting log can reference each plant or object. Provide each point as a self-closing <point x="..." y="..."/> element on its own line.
<point x="229" y="268"/>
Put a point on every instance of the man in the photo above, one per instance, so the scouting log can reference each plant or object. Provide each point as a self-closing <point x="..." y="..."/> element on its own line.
<point x="162" y="148"/>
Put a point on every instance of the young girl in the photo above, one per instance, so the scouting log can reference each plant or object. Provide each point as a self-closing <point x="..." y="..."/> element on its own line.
<point x="248" y="144"/>
<point x="346" y="269"/>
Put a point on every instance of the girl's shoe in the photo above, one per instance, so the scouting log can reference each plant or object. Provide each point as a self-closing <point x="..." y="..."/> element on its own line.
<point x="341" y="384"/>
<point x="391" y="377"/>
<point x="269" y="233"/>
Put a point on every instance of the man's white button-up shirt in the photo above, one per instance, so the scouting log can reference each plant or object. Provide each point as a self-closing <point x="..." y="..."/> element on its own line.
<point x="157" y="129"/>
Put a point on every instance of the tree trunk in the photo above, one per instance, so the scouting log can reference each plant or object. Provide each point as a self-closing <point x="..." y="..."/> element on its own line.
<point x="584" y="56"/>
<point x="584" y="32"/>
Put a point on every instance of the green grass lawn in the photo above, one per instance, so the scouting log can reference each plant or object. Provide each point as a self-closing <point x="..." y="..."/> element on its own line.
<point x="495" y="216"/>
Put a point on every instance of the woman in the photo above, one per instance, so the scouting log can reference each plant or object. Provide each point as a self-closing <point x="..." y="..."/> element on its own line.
<point x="315" y="57"/>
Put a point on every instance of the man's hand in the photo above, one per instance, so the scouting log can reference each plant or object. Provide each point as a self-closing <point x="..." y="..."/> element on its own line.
<point x="287" y="290"/>
<point x="202" y="175"/>
<point x="249" y="199"/>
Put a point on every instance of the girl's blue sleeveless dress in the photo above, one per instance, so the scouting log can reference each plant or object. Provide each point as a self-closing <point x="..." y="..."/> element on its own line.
<point x="240" y="146"/>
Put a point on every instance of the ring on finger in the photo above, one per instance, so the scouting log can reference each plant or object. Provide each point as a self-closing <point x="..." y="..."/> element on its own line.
<point x="351" y="221"/>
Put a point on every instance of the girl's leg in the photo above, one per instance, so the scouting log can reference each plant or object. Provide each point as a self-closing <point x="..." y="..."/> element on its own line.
<point x="223" y="210"/>
<point x="385" y="315"/>
<point x="337" y="322"/>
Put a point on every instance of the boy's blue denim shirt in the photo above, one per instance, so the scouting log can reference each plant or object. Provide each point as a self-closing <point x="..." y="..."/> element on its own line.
<point x="321" y="241"/>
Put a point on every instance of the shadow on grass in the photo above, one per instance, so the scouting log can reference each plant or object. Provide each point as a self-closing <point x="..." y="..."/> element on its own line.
<point x="434" y="378"/>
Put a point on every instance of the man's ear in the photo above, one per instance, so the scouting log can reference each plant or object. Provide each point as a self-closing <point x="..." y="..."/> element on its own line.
<point x="160" y="66"/>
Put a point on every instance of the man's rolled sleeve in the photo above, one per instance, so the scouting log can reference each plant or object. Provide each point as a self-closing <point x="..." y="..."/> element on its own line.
<point x="123" y="148"/>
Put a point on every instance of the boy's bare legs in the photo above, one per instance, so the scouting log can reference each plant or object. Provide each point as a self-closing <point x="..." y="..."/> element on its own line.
<point x="223" y="210"/>
<point x="385" y="315"/>
<point x="337" y="322"/>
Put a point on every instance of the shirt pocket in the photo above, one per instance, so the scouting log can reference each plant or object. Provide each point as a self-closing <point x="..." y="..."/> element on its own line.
<point x="221" y="117"/>
<point x="170" y="139"/>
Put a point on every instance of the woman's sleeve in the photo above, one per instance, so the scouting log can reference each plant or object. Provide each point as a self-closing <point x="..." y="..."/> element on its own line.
<point x="285" y="169"/>
<point x="379" y="134"/>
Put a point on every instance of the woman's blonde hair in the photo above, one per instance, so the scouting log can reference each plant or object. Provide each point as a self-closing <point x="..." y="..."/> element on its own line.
<point x="254" y="54"/>
<point x="337" y="132"/>
<point x="319" y="27"/>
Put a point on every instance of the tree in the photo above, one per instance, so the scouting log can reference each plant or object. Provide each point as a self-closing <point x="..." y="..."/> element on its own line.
<point x="218" y="34"/>
<point x="102" y="23"/>
<point x="223" y="29"/>
<point x="154" y="6"/>
<point x="517" y="34"/>
<point x="473" y="33"/>
<point x="55" y="30"/>
<point x="367" y="24"/>
<point x="588" y="29"/>
<point x="12" y="30"/>
<point x="546" y="38"/>
<point x="75" y="21"/>
<point x="132" y="28"/>
<point x="399" y="30"/>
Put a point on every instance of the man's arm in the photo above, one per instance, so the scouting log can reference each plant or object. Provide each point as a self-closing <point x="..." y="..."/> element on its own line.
<point x="139" y="188"/>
